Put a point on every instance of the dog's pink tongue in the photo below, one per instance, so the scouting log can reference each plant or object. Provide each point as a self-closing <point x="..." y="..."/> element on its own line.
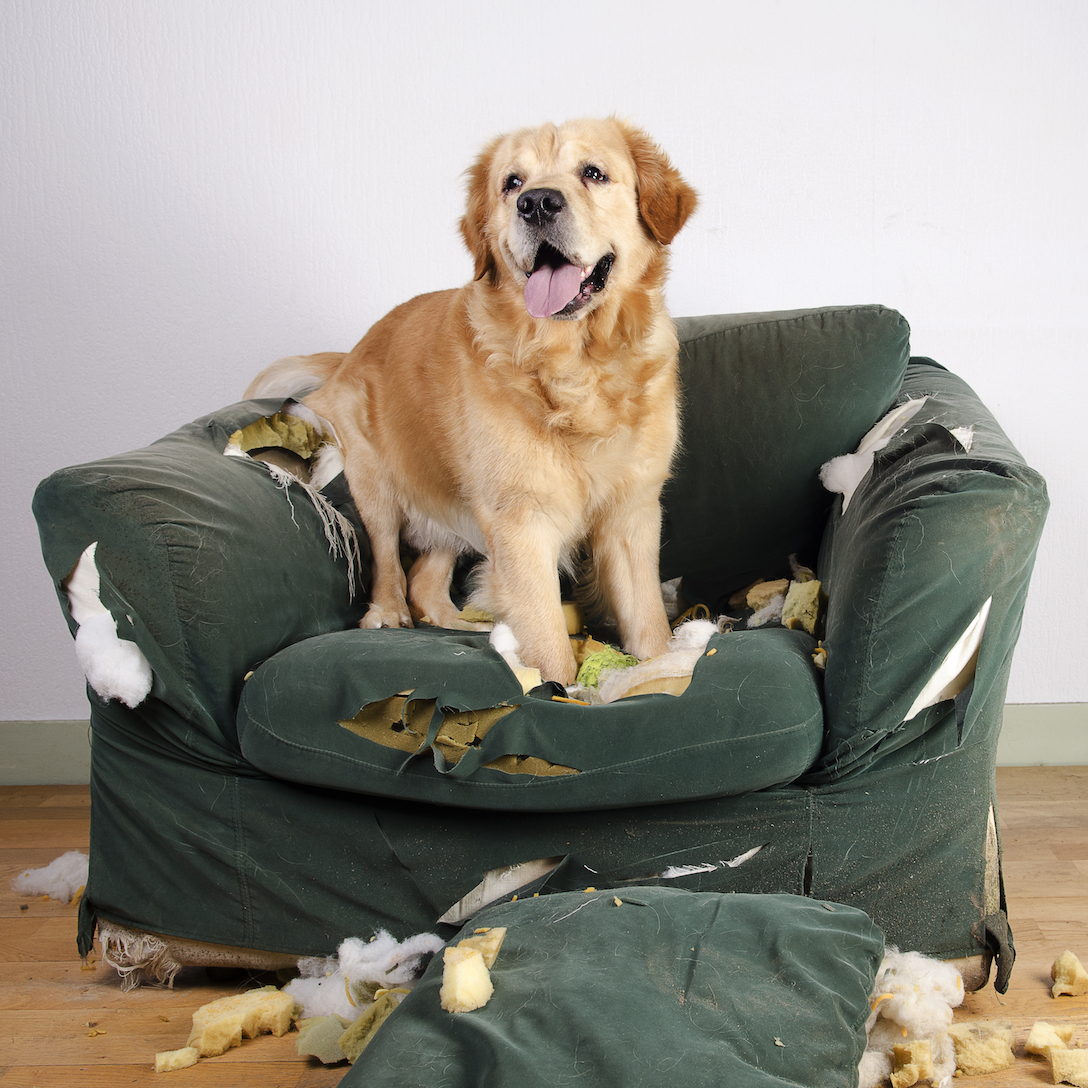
<point x="549" y="289"/>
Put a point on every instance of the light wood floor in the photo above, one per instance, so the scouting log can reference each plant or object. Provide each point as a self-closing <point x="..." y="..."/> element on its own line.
<point x="62" y="1024"/>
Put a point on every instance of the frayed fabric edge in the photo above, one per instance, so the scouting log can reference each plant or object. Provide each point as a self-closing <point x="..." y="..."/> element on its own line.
<point x="136" y="956"/>
<point x="339" y="532"/>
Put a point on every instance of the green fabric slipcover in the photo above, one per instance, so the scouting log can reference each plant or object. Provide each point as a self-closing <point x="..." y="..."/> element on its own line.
<point x="242" y="812"/>
<point x="938" y="531"/>
<point x="669" y="987"/>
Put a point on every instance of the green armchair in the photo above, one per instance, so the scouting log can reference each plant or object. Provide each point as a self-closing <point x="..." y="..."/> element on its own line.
<point x="283" y="780"/>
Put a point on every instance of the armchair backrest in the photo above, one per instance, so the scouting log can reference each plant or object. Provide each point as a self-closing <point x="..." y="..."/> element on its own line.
<point x="768" y="399"/>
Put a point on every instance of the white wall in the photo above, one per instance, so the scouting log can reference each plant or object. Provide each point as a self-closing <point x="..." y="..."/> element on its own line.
<point x="191" y="189"/>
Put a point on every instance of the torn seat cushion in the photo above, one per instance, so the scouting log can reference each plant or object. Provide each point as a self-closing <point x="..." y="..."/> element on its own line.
<point x="659" y="986"/>
<point x="438" y="716"/>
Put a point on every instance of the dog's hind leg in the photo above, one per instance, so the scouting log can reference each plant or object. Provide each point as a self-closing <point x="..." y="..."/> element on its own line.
<point x="388" y="606"/>
<point x="429" y="591"/>
<point x="376" y="498"/>
<point x="382" y="518"/>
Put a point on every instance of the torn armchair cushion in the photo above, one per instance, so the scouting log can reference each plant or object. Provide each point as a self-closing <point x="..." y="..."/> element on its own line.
<point x="438" y="716"/>
<point x="280" y="781"/>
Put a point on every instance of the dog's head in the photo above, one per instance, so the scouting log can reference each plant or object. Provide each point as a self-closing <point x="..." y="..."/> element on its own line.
<point x="570" y="214"/>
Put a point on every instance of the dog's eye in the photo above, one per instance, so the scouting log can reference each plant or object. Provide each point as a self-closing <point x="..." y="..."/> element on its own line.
<point x="594" y="173"/>
<point x="511" y="183"/>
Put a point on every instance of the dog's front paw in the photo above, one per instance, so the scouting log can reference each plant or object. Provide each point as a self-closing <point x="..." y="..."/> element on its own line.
<point x="377" y="616"/>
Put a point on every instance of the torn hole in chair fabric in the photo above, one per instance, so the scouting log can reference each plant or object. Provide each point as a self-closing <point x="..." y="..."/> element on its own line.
<point x="675" y="872"/>
<point x="295" y="428"/>
<point x="115" y="668"/>
<point x="844" y="475"/>
<point x="414" y="725"/>
<point x="498" y="884"/>
<point x="957" y="670"/>
<point x="300" y="449"/>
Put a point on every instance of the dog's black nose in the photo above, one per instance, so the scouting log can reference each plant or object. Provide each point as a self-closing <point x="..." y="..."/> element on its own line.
<point x="540" y="205"/>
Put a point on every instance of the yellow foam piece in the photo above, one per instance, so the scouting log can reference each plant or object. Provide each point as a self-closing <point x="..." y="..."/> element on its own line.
<point x="1069" y="976"/>
<point x="1043" y="1036"/>
<point x="221" y="1024"/>
<point x="170" y="1060"/>
<point x="912" y="1062"/>
<point x="1069" y="1066"/>
<point x="466" y="981"/>
<point x="982" y="1046"/>
<point x="487" y="942"/>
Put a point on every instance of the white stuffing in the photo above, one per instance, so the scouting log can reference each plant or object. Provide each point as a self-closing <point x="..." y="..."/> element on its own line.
<point x="913" y="998"/>
<point x="505" y="644"/>
<point x="957" y="669"/>
<point x="114" y="667"/>
<point x="345" y="984"/>
<point x="771" y="612"/>
<point x="965" y="436"/>
<point x="61" y="879"/>
<point x="616" y="683"/>
<point x="693" y="635"/>
<point x="843" y="474"/>
<point x="674" y="872"/>
<point x="686" y="645"/>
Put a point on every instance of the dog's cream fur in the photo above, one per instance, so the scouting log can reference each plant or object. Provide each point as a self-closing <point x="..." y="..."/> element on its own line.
<point x="469" y="424"/>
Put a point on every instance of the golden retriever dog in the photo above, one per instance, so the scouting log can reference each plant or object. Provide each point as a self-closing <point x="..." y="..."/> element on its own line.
<point x="531" y="415"/>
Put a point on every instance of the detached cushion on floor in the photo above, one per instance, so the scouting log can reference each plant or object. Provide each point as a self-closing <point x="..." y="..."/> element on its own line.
<point x="667" y="987"/>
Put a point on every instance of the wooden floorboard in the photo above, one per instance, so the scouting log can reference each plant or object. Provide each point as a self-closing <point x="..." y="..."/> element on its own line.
<point x="61" y="1023"/>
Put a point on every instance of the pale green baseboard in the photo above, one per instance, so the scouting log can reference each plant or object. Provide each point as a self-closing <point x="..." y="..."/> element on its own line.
<point x="59" y="753"/>
<point x="1044" y="735"/>
<point x="45" y="753"/>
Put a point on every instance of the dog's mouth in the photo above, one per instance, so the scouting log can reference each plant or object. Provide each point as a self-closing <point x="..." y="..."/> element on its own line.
<point x="558" y="288"/>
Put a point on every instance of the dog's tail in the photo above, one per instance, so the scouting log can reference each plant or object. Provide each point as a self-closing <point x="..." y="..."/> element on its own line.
<point x="294" y="376"/>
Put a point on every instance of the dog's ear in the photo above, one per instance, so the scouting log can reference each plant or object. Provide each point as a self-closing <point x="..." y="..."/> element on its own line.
<point x="665" y="200"/>
<point x="477" y="213"/>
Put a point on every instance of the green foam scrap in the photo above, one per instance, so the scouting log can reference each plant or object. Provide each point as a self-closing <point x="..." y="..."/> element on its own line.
<point x="803" y="606"/>
<point x="355" y="1040"/>
<point x="589" y="675"/>
<point x="319" y="1037"/>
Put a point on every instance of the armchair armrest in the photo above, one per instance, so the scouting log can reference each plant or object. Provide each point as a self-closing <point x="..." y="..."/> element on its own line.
<point x="930" y="560"/>
<point x="206" y="562"/>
